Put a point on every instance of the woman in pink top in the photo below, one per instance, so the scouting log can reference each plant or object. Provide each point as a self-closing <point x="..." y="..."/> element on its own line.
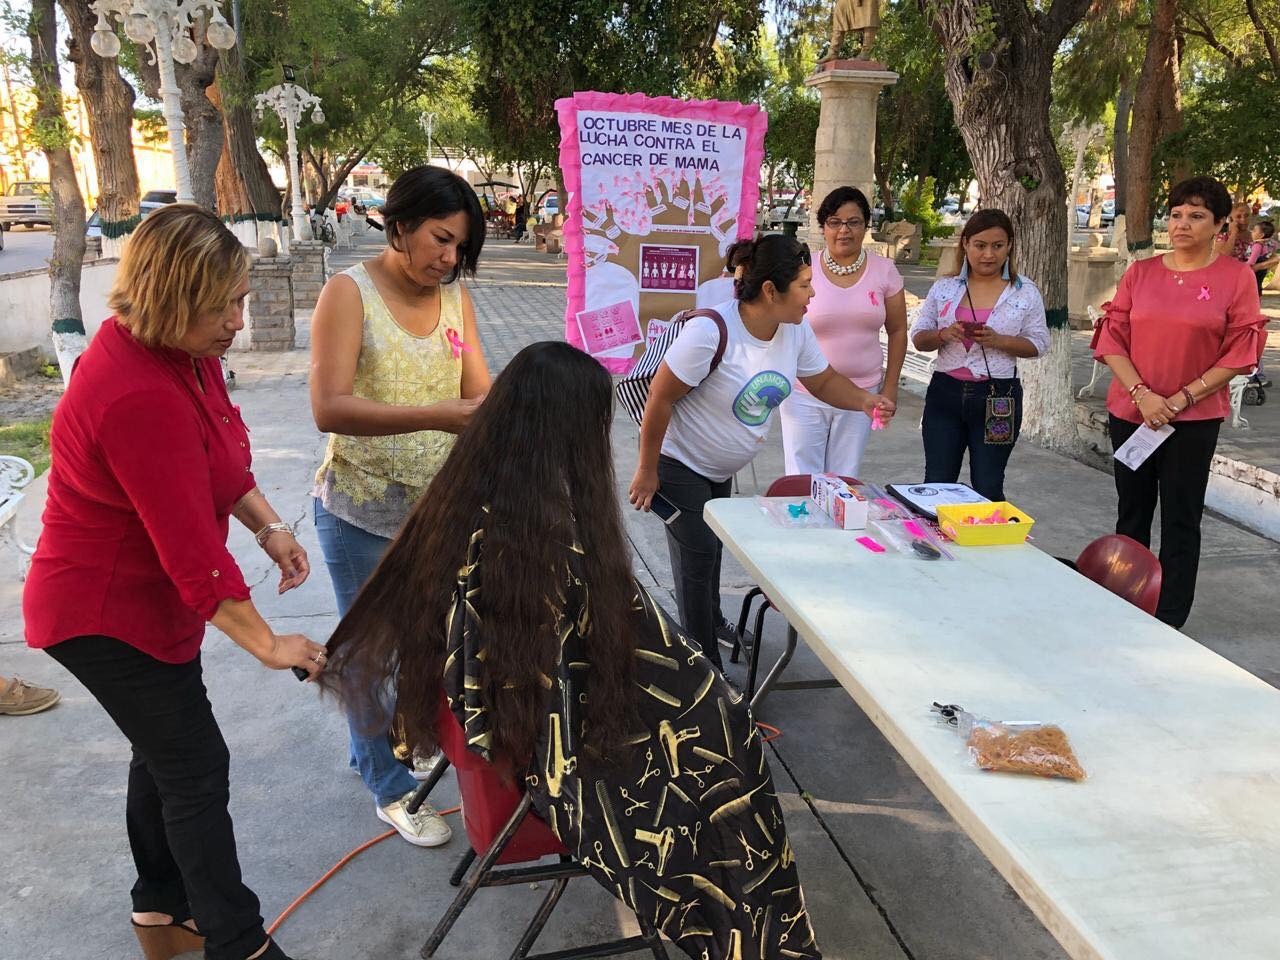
<point x="856" y="293"/>
<point x="1180" y="327"/>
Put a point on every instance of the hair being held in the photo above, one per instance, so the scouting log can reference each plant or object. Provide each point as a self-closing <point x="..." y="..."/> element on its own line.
<point x="537" y="458"/>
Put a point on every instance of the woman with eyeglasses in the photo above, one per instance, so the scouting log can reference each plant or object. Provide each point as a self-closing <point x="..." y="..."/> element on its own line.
<point x="981" y="322"/>
<point x="856" y="294"/>
<point x="705" y="421"/>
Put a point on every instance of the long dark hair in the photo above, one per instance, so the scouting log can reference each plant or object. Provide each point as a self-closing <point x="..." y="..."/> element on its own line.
<point x="982" y="220"/>
<point x="536" y="465"/>
<point x="429" y="193"/>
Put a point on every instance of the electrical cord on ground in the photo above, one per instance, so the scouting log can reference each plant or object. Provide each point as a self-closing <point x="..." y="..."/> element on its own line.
<point x="774" y="734"/>
<point x="333" y="870"/>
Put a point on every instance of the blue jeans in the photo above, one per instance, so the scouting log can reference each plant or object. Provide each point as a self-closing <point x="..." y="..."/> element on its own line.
<point x="351" y="555"/>
<point x="955" y="413"/>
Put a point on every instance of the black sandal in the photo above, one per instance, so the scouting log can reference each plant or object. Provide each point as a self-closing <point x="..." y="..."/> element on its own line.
<point x="164" y="941"/>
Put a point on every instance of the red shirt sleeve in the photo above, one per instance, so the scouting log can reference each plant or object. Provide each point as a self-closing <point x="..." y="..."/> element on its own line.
<point x="1112" y="336"/>
<point x="1246" y="335"/>
<point x="156" y="452"/>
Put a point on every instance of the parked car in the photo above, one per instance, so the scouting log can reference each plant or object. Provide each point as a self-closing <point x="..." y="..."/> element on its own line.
<point x="786" y="209"/>
<point x="950" y="205"/>
<point x="1108" y="213"/>
<point x="93" y="226"/>
<point x="550" y="206"/>
<point x="26" y="202"/>
<point x="367" y="199"/>
<point x="1082" y="214"/>
<point x="155" y="199"/>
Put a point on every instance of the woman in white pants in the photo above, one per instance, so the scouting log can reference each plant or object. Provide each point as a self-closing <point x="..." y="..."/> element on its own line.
<point x="856" y="293"/>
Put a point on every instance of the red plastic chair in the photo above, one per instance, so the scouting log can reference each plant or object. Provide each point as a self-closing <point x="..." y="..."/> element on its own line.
<point x="1125" y="567"/>
<point x="790" y="485"/>
<point x="502" y="828"/>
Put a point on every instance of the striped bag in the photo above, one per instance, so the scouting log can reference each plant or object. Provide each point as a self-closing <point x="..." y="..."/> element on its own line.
<point x="633" y="389"/>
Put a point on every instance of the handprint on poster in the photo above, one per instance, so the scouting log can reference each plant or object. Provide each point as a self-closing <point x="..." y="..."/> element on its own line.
<point x="658" y="190"/>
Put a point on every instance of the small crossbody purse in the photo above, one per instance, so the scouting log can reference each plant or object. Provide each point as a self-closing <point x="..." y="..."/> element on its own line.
<point x="997" y="426"/>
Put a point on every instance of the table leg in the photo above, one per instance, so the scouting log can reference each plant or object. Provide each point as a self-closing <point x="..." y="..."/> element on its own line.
<point x="776" y="671"/>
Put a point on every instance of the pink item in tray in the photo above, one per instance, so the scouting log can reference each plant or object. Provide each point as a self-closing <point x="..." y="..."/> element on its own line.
<point x="871" y="544"/>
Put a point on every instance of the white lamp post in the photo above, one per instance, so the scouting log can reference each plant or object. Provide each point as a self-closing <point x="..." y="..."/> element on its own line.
<point x="428" y="125"/>
<point x="290" y="102"/>
<point x="167" y="24"/>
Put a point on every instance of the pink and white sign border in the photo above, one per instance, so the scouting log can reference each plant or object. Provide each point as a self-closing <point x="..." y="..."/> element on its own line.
<point x="749" y="116"/>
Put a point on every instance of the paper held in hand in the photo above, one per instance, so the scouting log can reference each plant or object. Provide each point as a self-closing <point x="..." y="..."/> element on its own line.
<point x="1134" y="452"/>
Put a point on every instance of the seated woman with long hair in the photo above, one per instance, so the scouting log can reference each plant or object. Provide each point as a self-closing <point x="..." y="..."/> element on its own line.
<point x="510" y="591"/>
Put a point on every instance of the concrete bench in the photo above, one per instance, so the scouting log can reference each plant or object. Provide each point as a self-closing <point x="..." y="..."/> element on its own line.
<point x="916" y="366"/>
<point x="15" y="474"/>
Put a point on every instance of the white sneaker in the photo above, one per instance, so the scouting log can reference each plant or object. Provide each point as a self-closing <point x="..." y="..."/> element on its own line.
<point x="424" y="766"/>
<point x="426" y="828"/>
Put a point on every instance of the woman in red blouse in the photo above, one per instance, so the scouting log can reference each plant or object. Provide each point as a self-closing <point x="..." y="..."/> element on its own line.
<point x="150" y="460"/>
<point x="1180" y="327"/>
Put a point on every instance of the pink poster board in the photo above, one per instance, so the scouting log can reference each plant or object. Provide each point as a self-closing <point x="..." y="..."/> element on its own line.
<point x="653" y="182"/>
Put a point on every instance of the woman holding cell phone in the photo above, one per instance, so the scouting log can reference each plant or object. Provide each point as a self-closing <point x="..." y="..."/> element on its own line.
<point x="702" y="425"/>
<point x="981" y="322"/>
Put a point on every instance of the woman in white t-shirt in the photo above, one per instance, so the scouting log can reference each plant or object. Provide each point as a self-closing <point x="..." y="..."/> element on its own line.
<point x="701" y="426"/>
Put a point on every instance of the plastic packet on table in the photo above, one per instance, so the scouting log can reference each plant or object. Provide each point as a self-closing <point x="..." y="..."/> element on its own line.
<point x="795" y="513"/>
<point x="1014" y="746"/>
<point x="913" y="536"/>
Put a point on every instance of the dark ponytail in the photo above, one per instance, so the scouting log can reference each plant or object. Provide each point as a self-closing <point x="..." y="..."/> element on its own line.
<point x="773" y="257"/>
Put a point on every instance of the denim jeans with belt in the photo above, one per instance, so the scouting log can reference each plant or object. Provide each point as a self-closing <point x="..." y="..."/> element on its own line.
<point x="955" y="414"/>
<point x="351" y="554"/>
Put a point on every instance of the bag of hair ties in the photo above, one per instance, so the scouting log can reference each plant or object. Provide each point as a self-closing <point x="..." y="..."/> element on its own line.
<point x="1013" y="746"/>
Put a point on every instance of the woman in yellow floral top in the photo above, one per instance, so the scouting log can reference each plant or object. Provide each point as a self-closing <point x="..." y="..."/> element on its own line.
<point x="396" y="372"/>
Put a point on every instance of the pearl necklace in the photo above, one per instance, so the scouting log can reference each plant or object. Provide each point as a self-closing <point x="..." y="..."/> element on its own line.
<point x="840" y="271"/>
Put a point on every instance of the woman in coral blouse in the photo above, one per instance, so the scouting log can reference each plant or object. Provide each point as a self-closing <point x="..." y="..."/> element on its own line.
<point x="1180" y="327"/>
<point x="150" y="460"/>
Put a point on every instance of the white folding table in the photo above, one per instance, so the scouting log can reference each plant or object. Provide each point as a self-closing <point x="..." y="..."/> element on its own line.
<point x="1171" y="848"/>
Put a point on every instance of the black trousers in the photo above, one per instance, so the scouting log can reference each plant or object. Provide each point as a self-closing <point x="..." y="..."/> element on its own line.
<point x="1176" y="475"/>
<point x="955" y="414"/>
<point x="695" y="552"/>
<point x="176" y="813"/>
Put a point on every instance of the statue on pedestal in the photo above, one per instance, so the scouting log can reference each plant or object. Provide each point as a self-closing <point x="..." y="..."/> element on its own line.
<point x="862" y="16"/>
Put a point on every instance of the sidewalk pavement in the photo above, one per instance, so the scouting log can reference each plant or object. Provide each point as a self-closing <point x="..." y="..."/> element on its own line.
<point x="887" y="873"/>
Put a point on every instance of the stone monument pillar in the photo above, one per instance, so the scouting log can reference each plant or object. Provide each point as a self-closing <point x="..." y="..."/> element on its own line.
<point x="845" y="148"/>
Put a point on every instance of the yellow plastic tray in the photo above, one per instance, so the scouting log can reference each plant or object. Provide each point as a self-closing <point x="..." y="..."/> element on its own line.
<point x="951" y="521"/>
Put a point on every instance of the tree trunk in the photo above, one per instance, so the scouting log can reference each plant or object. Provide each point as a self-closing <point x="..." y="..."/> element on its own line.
<point x="1001" y="100"/>
<point x="108" y="100"/>
<point x="1150" y="99"/>
<point x="1120" y="148"/>
<point x="245" y="186"/>
<point x="203" y="121"/>
<point x="66" y="320"/>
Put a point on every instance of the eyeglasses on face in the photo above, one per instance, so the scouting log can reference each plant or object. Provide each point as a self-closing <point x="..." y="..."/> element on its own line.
<point x="837" y="224"/>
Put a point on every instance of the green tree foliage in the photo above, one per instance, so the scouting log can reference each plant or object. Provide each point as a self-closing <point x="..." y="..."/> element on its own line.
<point x="918" y="200"/>
<point x="1229" y="124"/>
<point x="368" y="62"/>
<point x="916" y="133"/>
<point x="529" y="53"/>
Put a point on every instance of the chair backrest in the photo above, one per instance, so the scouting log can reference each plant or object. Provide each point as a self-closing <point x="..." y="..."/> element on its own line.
<point x="795" y="485"/>
<point x="488" y="801"/>
<point x="1125" y="567"/>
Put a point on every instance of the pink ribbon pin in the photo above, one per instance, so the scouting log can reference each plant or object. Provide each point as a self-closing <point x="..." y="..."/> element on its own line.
<point x="946" y="308"/>
<point x="456" y="342"/>
<point x="872" y="295"/>
<point x="878" y="422"/>
<point x="1204" y="294"/>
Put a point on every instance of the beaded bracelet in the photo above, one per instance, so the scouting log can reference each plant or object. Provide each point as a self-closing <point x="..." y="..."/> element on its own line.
<point x="1191" y="400"/>
<point x="1134" y="388"/>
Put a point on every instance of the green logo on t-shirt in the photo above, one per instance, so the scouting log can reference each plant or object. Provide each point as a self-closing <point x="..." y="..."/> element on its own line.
<point x="762" y="393"/>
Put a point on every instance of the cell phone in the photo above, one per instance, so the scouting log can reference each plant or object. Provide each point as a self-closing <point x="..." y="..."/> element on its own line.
<point x="970" y="326"/>
<point x="299" y="673"/>
<point x="666" y="510"/>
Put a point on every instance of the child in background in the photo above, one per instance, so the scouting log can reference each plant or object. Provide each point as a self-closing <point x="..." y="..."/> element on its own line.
<point x="1262" y="257"/>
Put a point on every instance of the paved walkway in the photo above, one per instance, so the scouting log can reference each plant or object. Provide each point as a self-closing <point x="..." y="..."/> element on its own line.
<point x="888" y="874"/>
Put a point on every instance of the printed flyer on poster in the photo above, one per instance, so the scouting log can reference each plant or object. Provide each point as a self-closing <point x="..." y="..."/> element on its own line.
<point x="658" y="190"/>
